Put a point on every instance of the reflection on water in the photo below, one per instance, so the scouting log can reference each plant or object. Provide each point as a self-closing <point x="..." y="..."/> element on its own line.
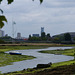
<point x="41" y="58"/>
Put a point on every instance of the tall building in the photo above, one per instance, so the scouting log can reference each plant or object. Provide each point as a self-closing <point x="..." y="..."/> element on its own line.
<point x="18" y="35"/>
<point x="1" y="33"/>
<point x="42" y="29"/>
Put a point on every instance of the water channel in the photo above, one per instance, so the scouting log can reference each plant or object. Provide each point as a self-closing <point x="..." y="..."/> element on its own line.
<point x="40" y="58"/>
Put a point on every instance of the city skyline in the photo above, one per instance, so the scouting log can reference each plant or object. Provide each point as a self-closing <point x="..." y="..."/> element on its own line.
<point x="56" y="16"/>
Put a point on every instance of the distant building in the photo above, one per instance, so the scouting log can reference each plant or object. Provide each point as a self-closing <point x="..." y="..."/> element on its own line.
<point x="18" y="35"/>
<point x="35" y="35"/>
<point x="1" y="33"/>
<point x="19" y="38"/>
<point x="42" y="29"/>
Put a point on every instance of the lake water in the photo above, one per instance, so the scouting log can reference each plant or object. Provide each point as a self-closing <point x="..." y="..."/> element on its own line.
<point x="41" y="58"/>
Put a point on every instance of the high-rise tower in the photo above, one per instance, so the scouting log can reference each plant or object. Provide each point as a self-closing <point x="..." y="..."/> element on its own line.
<point x="42" y="29"/>
<point x="18" y="35"/>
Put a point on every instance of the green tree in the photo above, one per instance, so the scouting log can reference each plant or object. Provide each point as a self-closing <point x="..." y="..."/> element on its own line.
<point x="48" y="36"/>
<point x="29" y="37"/>
<point x="43" y="35"/>
<point x="67" y="37"/>
<point x="1" y="41"/>
<point x="35" y="39"/>
<point x="56" y="40"/>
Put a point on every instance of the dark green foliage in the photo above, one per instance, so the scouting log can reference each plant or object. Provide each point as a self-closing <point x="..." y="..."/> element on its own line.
<point x="35" y="39"/>
<point x="67" y="37"/>
<point x="2" y="18"/>
<point x="42" y="34"/>
<point x="6" y="39"/>
<point x="1" y="41"/>
<point x="29" y="36"/>
<point x="48" y="35"/>
<point x="10" y="1"/>
<point x="1" y="11"/>
<point x="0" y="1"/>
<point x="41" y="1"/>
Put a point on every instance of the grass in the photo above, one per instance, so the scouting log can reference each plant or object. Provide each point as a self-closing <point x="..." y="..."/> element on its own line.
<point x="68" y="52"/>
<point x="8" y="48"/>
<point x="7" y="59"/>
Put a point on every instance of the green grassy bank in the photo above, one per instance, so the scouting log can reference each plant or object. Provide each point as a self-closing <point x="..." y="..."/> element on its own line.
<point x="69" y="52"/>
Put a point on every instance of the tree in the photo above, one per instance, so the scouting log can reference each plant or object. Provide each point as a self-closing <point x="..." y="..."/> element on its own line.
<point x="48" y="36"/>
<point x="2" y="17"/>
<point x="29" y="37"/>
<point x="67" y="37"/>
<point x="43" y="35"/>
<point x="56" y="40"/>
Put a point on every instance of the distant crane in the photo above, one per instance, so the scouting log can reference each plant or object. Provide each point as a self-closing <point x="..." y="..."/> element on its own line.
<point x="13" y="23"/>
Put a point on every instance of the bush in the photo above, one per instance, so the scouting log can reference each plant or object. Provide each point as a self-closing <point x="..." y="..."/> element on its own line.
<point x="1" y="41"/>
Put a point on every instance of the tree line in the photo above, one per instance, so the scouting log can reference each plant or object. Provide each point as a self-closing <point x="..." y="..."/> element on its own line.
<point x="65" y="38"/>
<point x="43" y="37"/>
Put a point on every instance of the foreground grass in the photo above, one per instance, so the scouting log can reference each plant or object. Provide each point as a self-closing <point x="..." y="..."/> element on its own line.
<point x="56" y="69"/>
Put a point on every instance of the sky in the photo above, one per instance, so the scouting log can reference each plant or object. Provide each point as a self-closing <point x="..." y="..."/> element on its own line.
<point x="56" y="16"/>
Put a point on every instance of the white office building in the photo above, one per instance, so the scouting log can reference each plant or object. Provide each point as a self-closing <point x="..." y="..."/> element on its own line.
<point x="18" y="35"/>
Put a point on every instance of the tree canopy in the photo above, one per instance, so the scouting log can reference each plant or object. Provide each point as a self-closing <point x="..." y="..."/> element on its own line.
<point x="2" y="17"/>
<point x="67" y="37"/>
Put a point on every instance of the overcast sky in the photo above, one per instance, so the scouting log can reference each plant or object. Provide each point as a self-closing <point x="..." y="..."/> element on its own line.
<point x="56" y="16"/>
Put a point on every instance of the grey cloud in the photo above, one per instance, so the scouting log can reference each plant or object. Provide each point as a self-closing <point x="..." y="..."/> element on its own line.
<point x="51" y="14"/>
